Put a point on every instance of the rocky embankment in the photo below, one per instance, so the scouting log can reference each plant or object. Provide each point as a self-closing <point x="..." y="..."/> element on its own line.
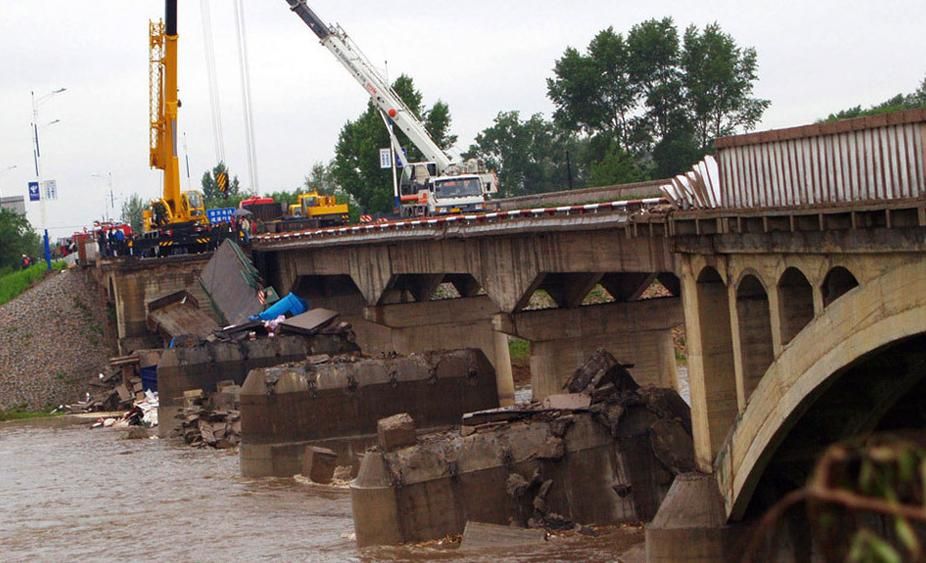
<point x="53" y="340"/>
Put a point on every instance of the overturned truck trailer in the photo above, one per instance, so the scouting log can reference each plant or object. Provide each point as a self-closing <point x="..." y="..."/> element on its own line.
<point x="336" y="403"/>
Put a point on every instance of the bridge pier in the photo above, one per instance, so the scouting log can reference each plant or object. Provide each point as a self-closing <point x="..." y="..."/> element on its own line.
<point x="637" y="332"/>
<point x="447" y="324"/>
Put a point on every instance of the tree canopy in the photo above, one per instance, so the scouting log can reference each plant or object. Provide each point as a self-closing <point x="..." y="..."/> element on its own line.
<point x="356" y="163"/>
<point x="132" y="212"/>
<point x="913" y="100"/>
<point x="17" y="237"/>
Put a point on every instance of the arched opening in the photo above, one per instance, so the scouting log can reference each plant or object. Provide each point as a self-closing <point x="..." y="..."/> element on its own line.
<point x="755" y="332"/>
<point x="837" y="283"/>
<point x="795" y="303"/>
<point x="338" y="292"/>
<point x="884" y="391"/>
<point x="716" y="355"/>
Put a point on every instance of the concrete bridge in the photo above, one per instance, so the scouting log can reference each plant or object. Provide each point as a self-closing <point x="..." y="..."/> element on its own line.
<point x="467" y="281"/>
<point x="794" y="258"/>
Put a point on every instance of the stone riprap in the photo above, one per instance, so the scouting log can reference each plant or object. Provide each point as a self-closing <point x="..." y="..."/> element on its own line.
<point x="54" y="339"/>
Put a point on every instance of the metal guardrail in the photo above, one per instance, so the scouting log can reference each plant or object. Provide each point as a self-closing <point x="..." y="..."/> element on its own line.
<point x="628" y="206"/>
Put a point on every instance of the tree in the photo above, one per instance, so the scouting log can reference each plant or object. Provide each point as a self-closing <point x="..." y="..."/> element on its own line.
<point x="653" y="98"/>
<point x="356" y="163"/>
<point x="321" y="179"/>
<point x="132" y="209"/>
<point x="214" y="197"/>
<point x="528" y="155"/>
<point x="17" y="237"/>
<point x="719" y="77"/>
<point x="900" y="102"/>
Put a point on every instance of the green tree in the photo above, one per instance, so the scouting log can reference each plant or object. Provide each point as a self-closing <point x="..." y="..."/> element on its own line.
<point x="653" y="98"/>
<point x="214" y="197"/>
<point x="321" y="178"/>
<point x="132" y="209"/>
<point x="17" y="237"/>
<point x="356" y="163"/>
<point x="900" y="102"/>
<point x="719" y="77"/>
<point x="528" y="155"/>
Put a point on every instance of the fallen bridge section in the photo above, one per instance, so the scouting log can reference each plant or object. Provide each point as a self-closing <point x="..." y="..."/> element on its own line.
<point x="205" y="365"/>
<point x="336" y="404"/>
<point x="608" y="455"/>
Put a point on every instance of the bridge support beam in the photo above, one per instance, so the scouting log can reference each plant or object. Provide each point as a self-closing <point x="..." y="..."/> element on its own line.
<point x="638" y="332"/>
<point x="446" y="324"/>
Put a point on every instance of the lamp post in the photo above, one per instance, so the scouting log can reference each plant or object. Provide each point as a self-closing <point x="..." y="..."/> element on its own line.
<point x="108" y="203"/>
<point x="4" y="171"/>
<point x="37" y="157"/>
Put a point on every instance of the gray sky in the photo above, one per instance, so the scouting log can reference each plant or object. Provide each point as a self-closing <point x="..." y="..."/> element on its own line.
<point x="479" y="56"/>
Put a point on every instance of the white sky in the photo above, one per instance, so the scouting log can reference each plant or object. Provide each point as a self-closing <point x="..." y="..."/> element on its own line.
<point x="479" y="56"/>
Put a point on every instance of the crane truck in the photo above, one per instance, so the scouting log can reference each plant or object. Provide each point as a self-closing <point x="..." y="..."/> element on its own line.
<point x="176" y="222"/>
<point x="435" y="186"/>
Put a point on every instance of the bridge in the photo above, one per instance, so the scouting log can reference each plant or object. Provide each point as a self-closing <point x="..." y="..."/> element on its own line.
<point x="795" y="259"/>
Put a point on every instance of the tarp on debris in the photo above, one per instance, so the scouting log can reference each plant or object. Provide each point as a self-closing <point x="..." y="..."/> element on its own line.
<point x="232" y="283"/>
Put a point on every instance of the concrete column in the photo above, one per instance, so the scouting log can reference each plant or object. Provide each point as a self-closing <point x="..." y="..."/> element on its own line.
<point x="447" y="324"/>
<point x="638" y="332"/>
<point x="503" y="375"/>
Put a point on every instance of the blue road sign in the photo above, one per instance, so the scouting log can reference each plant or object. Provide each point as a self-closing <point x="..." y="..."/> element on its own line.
<point x="221" y="215"/>
<point x="34" y="191"/>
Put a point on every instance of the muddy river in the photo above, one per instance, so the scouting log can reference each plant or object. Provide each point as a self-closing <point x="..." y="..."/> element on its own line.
<point x="70" y="493"/>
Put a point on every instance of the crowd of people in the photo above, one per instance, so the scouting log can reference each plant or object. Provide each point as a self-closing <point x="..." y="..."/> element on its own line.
<point x="113" y="242"/>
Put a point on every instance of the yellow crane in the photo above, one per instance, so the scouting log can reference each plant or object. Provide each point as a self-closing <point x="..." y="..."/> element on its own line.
<point x="177" y="219"/>
<point x="325" y="209"/>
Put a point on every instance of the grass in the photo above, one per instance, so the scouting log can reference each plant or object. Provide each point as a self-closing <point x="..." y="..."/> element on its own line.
<point x="23" y="414"/>
<point x="520" y="350"/>
<point x="13" y="284"/>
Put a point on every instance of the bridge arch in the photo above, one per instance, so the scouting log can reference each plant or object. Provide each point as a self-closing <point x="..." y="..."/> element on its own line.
<point x="838" y="281"/>
<point x="884" y="312"/>
<point x="756" y="351"/>
<point x="795" y="303"/>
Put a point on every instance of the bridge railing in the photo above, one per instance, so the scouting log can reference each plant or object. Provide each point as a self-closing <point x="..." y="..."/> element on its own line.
<point x="868" y="159"/>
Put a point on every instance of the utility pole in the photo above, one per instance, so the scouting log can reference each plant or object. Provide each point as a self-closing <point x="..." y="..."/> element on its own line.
<point x="37" y="157"/>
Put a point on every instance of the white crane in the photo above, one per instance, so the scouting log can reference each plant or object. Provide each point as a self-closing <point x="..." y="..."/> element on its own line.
<point x="435" y="186"/>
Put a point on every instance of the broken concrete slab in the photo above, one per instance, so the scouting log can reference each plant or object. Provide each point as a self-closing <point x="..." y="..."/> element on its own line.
<point x="568" y="401"/>
<point x="310" y="322"/>
<point x="231" y="281"/>
<point x="397" y="431"/>
<point x="481" y="535"/>
<point x="178" y="315"/>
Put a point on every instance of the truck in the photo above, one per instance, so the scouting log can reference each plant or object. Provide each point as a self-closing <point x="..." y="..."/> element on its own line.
<point x="175" y="223"/>
<point x="435" y="186"/>
<point x="322" y="210"/>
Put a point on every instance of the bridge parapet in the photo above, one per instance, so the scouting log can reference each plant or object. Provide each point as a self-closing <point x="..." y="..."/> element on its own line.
<point x="870" y="159"/>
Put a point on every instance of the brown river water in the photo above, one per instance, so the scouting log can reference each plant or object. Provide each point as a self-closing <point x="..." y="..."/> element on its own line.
<point x="70" y="493"/>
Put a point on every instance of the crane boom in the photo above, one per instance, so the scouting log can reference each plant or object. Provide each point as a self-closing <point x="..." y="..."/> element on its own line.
<point x="381" y="93"/>
<point x="164" y="103"/>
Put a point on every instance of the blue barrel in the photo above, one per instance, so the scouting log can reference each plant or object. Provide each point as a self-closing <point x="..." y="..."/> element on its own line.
<point x="290" y="305"/>
<point x="149" y="378"/>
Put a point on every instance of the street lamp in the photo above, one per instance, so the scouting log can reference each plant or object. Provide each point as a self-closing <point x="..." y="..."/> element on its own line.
<point x="37" y="156"/>
<point x="4" y="171"/>
<point x="112" y="199"/>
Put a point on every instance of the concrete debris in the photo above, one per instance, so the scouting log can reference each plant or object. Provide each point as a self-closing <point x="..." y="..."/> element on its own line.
<point x="319" y="464"/>
<point x="203" y="425"/>
<point x="604" y="452"/>
<point x="396" y="432"/>
<point x="480" y="535"/>
<point x="136" y="433"/>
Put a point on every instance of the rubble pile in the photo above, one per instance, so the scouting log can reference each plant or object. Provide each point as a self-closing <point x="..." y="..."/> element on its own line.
<point x="211" y="421"/>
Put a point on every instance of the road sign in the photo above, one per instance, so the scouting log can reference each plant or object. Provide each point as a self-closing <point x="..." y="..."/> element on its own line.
<point x="385" y="158"/>
<point x="50" y="189"/>
<point x="222" y="215"/>
<point x="34" y="191"/>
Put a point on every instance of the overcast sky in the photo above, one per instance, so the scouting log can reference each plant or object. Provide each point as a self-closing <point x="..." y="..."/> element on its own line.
<point x="479" y="56"/>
